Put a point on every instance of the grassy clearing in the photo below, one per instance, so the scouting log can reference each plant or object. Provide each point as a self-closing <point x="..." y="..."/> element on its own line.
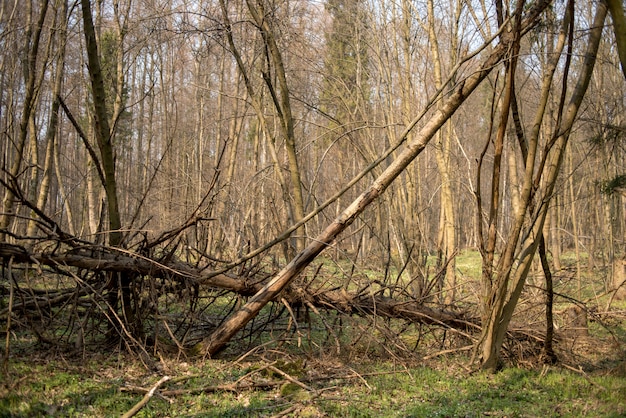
<point x="94" y="387"/>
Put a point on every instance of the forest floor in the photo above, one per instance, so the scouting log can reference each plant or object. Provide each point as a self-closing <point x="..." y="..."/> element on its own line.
<point x="273" y="384"/>
<point x="286" y="380"/>
<point x="368" y="367"/>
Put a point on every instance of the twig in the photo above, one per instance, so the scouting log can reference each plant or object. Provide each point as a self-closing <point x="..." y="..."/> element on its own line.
<point x="289" y="378"/>
<point x="328" y="327"/>
<point x="231" y="387"/>
<point x="452" y="350"/>
<point x="7" y="347"/>
<point x="133" y="411"/>
<point x="360" y="378"/>
<point x="580" y="371"/>
<point x="283" y="413"/>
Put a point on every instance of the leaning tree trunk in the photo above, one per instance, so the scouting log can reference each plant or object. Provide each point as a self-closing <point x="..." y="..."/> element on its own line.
<point x="619" y="27"/>
<point x="220" y="337"/>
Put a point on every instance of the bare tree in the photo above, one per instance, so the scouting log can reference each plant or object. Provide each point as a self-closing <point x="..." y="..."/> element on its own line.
<point x="504" y="283"/>
<point x="31" y="50"/>
<point x="102" y="130"/>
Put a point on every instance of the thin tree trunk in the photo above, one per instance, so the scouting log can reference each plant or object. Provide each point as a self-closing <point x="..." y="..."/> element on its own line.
<point x="511" y="280"/>
<point x="282" y="104"/>
<point x="31" y="50"/>
<point x="447" y="234"/>
<point x="51" y="134"/>
<point x="67" y="207"/>
<point x="575" y="226"/>
<point x="548" y="349"/>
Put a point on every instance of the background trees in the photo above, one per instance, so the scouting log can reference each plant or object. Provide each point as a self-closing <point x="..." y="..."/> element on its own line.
<point x="229" y="135"/>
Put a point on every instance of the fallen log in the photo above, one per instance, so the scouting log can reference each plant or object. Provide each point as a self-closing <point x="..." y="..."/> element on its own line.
<point x="127" y="262"/>
<point x="362" y="303"/>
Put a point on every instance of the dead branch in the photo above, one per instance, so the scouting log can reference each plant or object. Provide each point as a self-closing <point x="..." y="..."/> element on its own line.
<point x="100" y="258"/>
<point x="289" y="378"/>
<point x="135" y="409"/>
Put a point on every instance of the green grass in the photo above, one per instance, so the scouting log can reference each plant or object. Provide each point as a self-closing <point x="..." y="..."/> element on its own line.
<point x="361" y="382"/>
<point x="85" y="389"/>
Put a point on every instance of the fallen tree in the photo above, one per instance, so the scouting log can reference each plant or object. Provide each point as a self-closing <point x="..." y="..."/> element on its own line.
<point x="366" y="301"/>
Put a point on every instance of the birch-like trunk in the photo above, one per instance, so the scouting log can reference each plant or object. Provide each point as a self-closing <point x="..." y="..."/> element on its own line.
<point x="220" y="337"/>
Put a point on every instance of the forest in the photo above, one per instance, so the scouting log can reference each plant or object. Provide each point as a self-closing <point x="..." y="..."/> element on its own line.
<point x="415" y="181"/>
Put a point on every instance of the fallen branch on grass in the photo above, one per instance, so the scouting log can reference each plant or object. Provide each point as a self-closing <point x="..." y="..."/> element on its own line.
<point x="143" y="402"/>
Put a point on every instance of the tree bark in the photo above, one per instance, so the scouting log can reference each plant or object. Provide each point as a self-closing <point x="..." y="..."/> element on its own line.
<point x="510" y="281"/>
<point x="51" y="133"/>
<point x="218" y="339"/>
<point x="31" y="51"/>
<point x="282" y="103"/>
<point x="619" y="27"/>
<point x="102" y="129"/>
<point x="548" y="348"/>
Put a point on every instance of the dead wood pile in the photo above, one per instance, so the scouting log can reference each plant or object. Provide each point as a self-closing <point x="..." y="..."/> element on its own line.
<point x="102" y="259"/>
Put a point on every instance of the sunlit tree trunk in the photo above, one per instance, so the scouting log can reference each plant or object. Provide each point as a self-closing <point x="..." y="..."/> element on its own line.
<point x="447" y="234"/>
<point x="53" y="123"/>
<point x="102" y="128"/>
<point x="514" y="266"/>
<point x="31" y="50"/>
<point x="282" y="103"/>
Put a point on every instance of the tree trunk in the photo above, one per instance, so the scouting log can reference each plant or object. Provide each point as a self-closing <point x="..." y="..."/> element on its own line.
<point x="218" y="339"/>
<point x="51" y="133"/>
<point x="548" y="349"/>
<point x="282" y="104"/>
<point x="101" y="124"/>
<point x="510" y="280"/>
<point x="447" y="234"/>
<point x="619" y="27"/>
<point x="31" y="51"/>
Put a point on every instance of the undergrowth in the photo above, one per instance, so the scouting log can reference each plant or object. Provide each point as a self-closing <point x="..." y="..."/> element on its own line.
<point x="303" y="363"/>
<point x="107" y="386"/>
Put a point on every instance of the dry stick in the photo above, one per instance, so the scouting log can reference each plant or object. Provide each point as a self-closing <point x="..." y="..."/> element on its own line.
<point x="284" y="413"/>
<point x="232" y="387"/>
<point x="289" y="378"/>
<point x="173" y="337"/>
<point x="228" y="387"/>
<point x="360" y="377"/>
<point x="133" y="411"/>
<point x="222" y="335"/>
<point x="451" y="350"/>
<point x="293" y="317"/>
<point x="237" y="386"/>
<point x="580" y="371"/>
